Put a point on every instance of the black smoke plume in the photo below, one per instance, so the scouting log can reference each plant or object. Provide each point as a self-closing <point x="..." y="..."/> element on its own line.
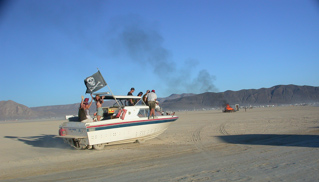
<point x="143" y="44"/>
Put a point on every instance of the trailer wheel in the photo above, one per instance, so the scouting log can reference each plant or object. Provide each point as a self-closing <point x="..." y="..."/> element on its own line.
<point x="98" y="146"/>
<point x="76" y="145"/>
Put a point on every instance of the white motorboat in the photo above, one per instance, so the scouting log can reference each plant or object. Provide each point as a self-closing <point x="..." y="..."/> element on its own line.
<point x="120" y="124"/>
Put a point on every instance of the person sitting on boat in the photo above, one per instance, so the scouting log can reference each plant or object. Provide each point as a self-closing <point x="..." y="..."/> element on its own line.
<point x="151" y="98"/>
<point x="84" y="112"/>
<point x="99" y="111"/>
<point x="145" y="97"/>
<point x="130" y="102"/>
<point x="140" y="94"/>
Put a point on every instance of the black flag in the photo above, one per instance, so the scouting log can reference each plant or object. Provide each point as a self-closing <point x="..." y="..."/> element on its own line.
<point x="94" y="83"/>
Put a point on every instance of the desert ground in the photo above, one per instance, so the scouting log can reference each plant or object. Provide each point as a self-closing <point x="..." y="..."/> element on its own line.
<point x="261" y="144"/>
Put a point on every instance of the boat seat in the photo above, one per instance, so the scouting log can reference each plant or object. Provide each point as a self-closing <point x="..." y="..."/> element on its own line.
<point x="107" y="114"/>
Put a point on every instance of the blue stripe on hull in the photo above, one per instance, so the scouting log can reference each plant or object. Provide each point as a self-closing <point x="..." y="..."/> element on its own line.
<point x="130" y="124"/>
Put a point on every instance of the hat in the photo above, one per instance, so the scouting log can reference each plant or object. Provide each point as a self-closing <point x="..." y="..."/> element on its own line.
<point x="86" y="100"/>
<point x="141" y="93"/>
<point x="153" y="91"/>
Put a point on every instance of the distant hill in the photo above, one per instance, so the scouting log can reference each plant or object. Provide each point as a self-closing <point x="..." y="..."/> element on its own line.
<point x="10" y="110"/>
<point x="57" y="110"/>
<point x="280" y="94"/>
<point x="276" y="95"/>
<point x="175" y="96"/>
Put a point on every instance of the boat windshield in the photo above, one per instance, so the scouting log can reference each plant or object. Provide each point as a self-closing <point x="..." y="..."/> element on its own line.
<point x="116" y="104"/>
<point x="143" y="112"/>
<point x="124" y="102"/>
<point x="140" y="102"/>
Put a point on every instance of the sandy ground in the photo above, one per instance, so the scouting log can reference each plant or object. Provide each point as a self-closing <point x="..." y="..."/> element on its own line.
<point x="262" y="144"/>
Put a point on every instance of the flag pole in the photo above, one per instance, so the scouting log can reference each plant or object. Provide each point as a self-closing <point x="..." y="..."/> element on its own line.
<point x="110" y="90"/>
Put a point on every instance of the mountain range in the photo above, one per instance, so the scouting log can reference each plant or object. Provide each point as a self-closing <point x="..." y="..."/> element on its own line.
<point x="276" y="95"/>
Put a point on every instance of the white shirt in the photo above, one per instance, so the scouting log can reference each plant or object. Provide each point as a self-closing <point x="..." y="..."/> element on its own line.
<point x="151" y="96"/>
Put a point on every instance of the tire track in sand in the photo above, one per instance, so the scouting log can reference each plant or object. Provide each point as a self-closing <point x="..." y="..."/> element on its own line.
<point x="196" y="136"/>
<point x="198" y="142"/>
<point x="222" y="129"/>
<point x="197" y="139"/>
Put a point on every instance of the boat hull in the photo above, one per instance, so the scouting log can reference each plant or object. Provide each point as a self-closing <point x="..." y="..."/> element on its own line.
<point x="115" y="131"/>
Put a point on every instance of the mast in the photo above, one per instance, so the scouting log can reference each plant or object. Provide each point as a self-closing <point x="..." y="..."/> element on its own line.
<point x="111" y="92"/>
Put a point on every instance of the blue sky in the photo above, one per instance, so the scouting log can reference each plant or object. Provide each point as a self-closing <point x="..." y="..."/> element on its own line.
<point x="48" y="48"/>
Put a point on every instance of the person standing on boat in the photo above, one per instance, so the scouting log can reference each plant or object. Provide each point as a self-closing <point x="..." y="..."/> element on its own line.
<point x="151" y="98"/>
<point x="99" y="101"/>
<point x="145" y="97"/>
<point x="81" y="113"/>
<point x="130" y="102"/>
<point x="84" y="113"/>
<point x="87" y="107"/>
